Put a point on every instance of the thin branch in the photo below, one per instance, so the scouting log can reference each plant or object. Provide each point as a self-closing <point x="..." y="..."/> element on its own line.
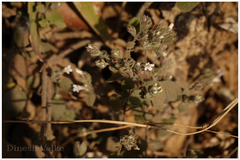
<point x="230" y="106"/>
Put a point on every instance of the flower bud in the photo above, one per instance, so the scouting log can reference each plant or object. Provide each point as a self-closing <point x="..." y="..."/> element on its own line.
<point x="156" y="88"/>
<point x="145" y="23"/>
<point x="93" y="50"/>
<point x="132" y="30"/>
<point x="116" y="53"/>
<point x="101" y="63"/>
<point x="198" y="98"/>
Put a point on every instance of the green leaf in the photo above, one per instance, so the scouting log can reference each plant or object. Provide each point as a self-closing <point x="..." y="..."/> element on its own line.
<point x="35" y="40"/>
<point x="66" y="83"/>
<point x="54" y="17"/>
<point x="86" y="9"/>
<point x="182" y="107"/>
<point x="171" y="89"/>
<point x="14" y="100"/>
<point x="128" y="84"/>
<point x="156" y="144"/>
<point x="45" y="47"/>
<point x="90" y="99"/>
<point x="186" y="6"/>
<point x="115" y="101"/>
<point x="135" y="98"/>
<point x="33" y="81"/>
<point x="43" y="23"/>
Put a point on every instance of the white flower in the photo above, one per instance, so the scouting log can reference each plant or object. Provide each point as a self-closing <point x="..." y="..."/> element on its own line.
<point x="77" y="88"/>
<point x="164" y="54"/>
<point x="67" y="69"/>
<point x="148" y="66"/>
<point x="171" y="26"/>
<point x="218" y="77"/>
<point x="79" y="71"/>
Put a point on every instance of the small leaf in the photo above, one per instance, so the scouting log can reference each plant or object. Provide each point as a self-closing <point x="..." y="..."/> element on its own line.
<point x="182" y="107"/>
<point x="130" y="45"/>
<point x="45" y="47"/>
<point x="66" y="83"/>
<point x="54" y="17"/>
<point x="113" y="69"/>
<point x="35" y="40"/>
<point x="44" y="23"/>
<point x="128" y="84"/>
<point x="135" y="98"/>
<point x="90" y="99"/>
<point x="78" y="149"/>
<point x="186" y="6"/>
<point x="171" y="89"/>
<point x="33" y="81"/>
<point x="156" y="144"/>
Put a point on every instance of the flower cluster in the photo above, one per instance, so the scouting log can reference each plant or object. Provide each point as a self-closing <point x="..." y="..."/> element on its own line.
<point x="129" y="141"/>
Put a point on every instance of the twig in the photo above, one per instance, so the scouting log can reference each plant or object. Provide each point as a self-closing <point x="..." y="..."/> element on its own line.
<point x="230" y="106"/>
<point x="49" y="111"/>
